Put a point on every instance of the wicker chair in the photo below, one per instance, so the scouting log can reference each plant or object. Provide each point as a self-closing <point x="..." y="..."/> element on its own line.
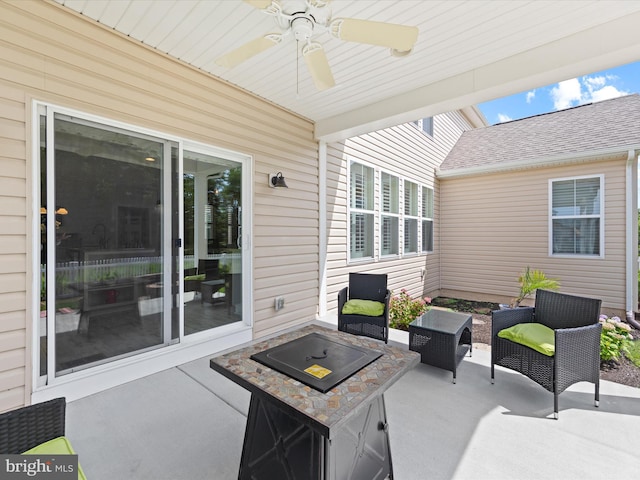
<point x="577" y="343"/>
<point x="26" y="427"/>
<point x="365" y="286"/>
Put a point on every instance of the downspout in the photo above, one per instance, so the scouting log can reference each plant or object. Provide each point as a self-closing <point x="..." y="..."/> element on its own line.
<point x="322" y="229"/>
<point x="632" y="238"/>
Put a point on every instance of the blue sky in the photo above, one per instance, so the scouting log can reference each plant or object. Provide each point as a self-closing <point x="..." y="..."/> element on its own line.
<point x="594" y="87"/>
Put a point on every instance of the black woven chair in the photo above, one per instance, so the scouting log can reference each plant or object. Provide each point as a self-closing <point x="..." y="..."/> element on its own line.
<point x="577" y="343"/>
<point x="365" y="286"/>
<point x="26" y="427"/>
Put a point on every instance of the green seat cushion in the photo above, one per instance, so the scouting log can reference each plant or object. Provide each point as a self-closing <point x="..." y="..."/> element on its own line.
<point x="369" y="308"/>
<point x="57" y="446"/>
<point x="200" y="277"/>
<point x="533" y="335"/>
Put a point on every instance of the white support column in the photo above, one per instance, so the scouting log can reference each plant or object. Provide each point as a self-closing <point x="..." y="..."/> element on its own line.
<point x="322" y="215"/>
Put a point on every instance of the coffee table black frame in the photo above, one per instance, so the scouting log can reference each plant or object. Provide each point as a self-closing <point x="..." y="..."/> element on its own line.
<point x="442" y="338"/>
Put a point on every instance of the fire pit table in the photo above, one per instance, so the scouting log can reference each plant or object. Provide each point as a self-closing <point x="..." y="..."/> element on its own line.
<point x="317" y="406"/>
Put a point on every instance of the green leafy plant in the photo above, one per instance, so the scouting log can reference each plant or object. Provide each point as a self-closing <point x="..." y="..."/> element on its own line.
<point x="403" y="309"/>
<point x="530" y="281"/>
<point x="633" y="352"/>
<point x="615" y="338"/>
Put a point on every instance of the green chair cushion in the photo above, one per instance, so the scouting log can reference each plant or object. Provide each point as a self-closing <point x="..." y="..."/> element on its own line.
<point x="57" y="446"/>
<point x="533" y="335"/>
<point x="370" y="308"/>
<point x="200" y="277"/>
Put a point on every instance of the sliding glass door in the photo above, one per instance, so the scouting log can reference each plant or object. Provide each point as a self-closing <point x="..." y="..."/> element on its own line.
<point x="140" y="242"/>
<point x="212" y="241"/>
<point x="102" y="248"/>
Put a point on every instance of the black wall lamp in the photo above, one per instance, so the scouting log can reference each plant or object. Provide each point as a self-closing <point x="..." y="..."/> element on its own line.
<point x="276" y="180"/>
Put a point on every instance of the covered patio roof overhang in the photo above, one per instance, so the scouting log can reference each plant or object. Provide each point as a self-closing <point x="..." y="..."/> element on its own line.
<point x="467" y="52"/>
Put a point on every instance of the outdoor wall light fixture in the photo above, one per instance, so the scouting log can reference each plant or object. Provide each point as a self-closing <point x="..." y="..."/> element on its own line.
<point x="277" y="180"/>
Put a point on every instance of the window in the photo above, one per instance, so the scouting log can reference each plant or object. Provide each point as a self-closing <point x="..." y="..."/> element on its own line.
<point x="362" y="214"/>
<point x="576" y="216"/>
<point x="425" y="124"/>
<point x="389" y="244"/>
<point x="410" y="217"/>
<point x="427" y="219"/>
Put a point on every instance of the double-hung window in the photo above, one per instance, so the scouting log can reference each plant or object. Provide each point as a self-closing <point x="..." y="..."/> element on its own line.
<point x="427" y="219"/>
<point x="576" y="216"/>
<point x="410" y="217"/>
<point x="361" y="195"/>
<point x="389" y="217"/>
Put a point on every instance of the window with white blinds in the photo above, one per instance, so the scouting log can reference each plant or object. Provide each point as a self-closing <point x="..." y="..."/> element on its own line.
<point x="389" y="217"/>
<point x="410" y="217"/>
<point x="427" y="219"/>
<point x="361" y="195"/>
<point x="576" y="216"/>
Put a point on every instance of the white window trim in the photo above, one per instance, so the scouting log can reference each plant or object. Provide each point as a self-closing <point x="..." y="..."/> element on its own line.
<point x="416" y="217"/>
<point x="423" y="218"/>
<point x="601" y="217"/>
<point x="397" y="215"/>
<point x="373" y="212"/>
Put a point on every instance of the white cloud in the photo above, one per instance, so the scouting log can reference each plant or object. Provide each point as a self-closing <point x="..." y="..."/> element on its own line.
<point x="531" y="95"/>
<point x="606" y="93"/>
<point x="588" y="89"/>
<point x="566" y="93"/>
<point x="504" y="118"/>
<point x="594" y="82"/>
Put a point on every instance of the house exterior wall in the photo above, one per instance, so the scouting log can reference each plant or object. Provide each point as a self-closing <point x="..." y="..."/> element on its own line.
<point x="55" y="56"/>
<point x="410" y="154"/>
<point x="497" y="224"/>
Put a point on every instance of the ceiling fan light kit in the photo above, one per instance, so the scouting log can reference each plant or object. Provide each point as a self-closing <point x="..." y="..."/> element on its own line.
<point x="315" y="18"/>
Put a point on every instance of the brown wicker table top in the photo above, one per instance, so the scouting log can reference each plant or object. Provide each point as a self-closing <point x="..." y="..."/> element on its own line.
<point x="324" y="412"/>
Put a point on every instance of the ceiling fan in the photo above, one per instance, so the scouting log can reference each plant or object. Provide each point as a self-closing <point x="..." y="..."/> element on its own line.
<point x="306" y="18"/>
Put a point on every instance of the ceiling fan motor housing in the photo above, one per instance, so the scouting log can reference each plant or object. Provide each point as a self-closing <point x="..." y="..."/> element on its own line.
<point x="302" y="26"/>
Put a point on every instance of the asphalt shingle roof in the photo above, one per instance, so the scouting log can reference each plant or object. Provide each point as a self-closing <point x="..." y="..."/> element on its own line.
<point x="596" y="126"/>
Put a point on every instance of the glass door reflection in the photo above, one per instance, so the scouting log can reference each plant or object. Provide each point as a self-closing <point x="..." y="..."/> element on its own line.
<point x="212" y="237"/>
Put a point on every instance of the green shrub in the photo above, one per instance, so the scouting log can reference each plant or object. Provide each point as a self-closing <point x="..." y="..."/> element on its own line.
<point x="633" y="352"/>
<point x="403" y="309"/>
<point x="615" y="338"/>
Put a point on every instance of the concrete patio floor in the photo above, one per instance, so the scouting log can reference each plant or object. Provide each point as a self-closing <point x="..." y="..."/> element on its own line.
<point x="188" y="423"/>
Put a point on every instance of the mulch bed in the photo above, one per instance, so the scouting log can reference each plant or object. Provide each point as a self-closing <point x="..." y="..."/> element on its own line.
<point x="623" y="371"/>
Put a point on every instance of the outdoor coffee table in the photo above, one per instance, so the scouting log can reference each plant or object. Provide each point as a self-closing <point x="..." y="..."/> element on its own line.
<point x="208" y="288"/>
<point x="297" y="431"/>
<point x="442" y="338"/>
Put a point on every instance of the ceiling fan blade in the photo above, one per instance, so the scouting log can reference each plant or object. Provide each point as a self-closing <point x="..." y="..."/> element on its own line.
<point x="248" y="50"/>
<point x="318" y="66"/>
<point x="401" y="38"/>
<point x="261" y="4"/>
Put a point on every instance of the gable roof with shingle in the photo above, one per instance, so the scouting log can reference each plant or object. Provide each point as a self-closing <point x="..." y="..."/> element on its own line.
<point x="601" y="128"/>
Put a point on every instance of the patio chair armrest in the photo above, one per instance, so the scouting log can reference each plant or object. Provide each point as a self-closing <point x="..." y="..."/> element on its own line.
<point x="577" y="341"/>
<point x="342" y="298"/>
<point x="501" y="319"/>
<point x="577" y="355"/>
<point x="387" y="299"/>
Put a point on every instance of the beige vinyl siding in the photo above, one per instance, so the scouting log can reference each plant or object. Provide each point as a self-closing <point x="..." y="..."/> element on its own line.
<point x="13" y="247"/>
<point x="50" y="54"/>
<point x="408" y="153"/>
<point x="498" y="224"/>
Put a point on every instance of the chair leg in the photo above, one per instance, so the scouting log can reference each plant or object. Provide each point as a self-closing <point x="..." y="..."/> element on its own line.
<point x="597" y="401"/>
<point x="492" y="374"/>
<point x="555" y="406"/>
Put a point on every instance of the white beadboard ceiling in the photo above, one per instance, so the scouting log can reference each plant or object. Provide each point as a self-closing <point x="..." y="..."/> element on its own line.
<point x="468" y="51"/>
